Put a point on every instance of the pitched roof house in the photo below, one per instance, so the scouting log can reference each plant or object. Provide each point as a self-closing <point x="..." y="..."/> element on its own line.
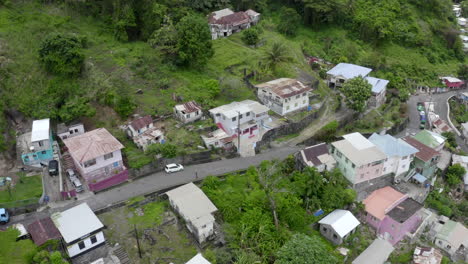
<point x="225" y="22"/>
<point x="426" y="159"/>
<point x="196" y="209"/>
<point x="316" y="156"/>
<point x="284" y="95"/>
<point x="358" y="158"/>
<point x="342" y="72"/>
<point x="392" y="214"/>
<point x="80" y="228"/>
<point x="337" y="225"/>
<point x="97" y="157"/>
<point x="399" y="153"/>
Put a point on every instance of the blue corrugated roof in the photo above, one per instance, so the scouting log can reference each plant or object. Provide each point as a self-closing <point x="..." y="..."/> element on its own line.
<point x="349" y="71"/>
<point x="419" y="178"/>
<point x="392" y="146"/>
<point x="378" y="85"/>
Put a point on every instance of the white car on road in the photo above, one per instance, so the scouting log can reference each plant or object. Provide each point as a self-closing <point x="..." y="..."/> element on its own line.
<point x="173" y="168"/>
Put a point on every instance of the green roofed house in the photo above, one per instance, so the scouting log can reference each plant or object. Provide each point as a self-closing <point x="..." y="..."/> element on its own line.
<point x="431" y="139"/>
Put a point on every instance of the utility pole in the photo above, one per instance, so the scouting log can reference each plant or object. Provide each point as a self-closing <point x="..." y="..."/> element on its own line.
<point x="238" y="132"/>
<point x="138" y="241"/>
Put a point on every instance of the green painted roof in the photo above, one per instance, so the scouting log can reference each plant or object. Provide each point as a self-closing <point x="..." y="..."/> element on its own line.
<point x="430" y="139"/>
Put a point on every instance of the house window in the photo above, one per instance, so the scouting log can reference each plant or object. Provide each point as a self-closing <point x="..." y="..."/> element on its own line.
<point x="93" y="239"/>
<point x="81" y="245"/>
<point x="234" y="119"/>
<point x="108" y="156"/>
<point x="89" y="163"/>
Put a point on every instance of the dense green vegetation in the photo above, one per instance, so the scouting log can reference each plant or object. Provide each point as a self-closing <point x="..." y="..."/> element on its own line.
<point x="264" y="207"/>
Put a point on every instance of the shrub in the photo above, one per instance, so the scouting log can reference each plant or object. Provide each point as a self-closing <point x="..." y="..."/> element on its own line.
<point x="250" y="36"/>
<point x="62" y="54"/>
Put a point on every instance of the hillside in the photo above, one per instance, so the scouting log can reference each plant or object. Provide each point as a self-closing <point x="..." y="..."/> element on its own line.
<point x="119" y="62"/>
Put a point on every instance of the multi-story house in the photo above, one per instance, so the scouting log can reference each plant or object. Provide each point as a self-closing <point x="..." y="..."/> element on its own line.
<point x="225" y="22"/>
<point x="399" y="153"/>
<point x="379" y="89"/>
<point x="425" y="161"/>
<point x="188" y="112"/>
<point x="80" y="229"/>
<point x="392" y="214"/>
<point x="244" y="118"/>
<point x="284" y="95"/>
<point x="359" y="159"/>
<point x="36" y="146"/>
<point x="342" y="72"/>
<point x="97" y="157"/>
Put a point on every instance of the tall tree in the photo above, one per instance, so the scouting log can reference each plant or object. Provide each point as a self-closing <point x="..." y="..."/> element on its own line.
<point x="194" y="41"/>
<point x="290" y="21"/>
<point x="357" y="92"/>
<point x="302" y="249"/>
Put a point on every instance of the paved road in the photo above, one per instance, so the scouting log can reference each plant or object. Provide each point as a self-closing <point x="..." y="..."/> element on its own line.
<point x="440" y="108"/>
<point x="158" y="181"/>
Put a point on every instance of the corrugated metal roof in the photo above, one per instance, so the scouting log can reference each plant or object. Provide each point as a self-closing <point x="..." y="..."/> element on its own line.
<point x="76" y="222"/>
<point x="392" y="146"/>
<point x="40" y="130"/>
<point x="349" y="71"/>
<point x="92" y="144"/>
<point x="378" y="85"/>
<point x="342" y="221"/>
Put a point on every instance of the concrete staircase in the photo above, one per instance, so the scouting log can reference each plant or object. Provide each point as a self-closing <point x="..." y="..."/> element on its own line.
<point x="122" y="255"/>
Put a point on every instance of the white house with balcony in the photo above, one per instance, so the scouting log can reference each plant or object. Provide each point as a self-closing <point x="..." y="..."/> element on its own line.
<point x="80" y="229"/>
<point x="98" y="159"/>
<point x="399" y="153"/>
<point x="284" y="95"/>
<point x="244" y="118"/>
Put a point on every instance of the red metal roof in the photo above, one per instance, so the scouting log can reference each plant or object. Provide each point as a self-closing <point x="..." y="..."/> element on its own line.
<point x="425" y="152"/>
<point x="43" y="230"/>
<point x="141" y="122"/>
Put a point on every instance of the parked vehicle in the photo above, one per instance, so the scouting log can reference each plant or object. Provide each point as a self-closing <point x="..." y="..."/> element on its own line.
<point x="77" y="184"/>
<point x="173" y="168"/>
<point x="4" y="216"/>
<point x="71" y="175"/>
<point x="53" y="167"/>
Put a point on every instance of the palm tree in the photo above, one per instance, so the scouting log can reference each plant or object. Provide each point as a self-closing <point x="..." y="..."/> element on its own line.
<point x="276" y="55"/>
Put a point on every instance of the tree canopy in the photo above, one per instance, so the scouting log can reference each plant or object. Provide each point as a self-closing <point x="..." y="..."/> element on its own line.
<point x="62" y="54"/>
<point x="357" y="92"/>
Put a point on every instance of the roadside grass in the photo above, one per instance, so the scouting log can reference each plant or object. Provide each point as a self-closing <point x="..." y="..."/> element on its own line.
<point x="29" y="191"/>
<point x="161" y="238"/>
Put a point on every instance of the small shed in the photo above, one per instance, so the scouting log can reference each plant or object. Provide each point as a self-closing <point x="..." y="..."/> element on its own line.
<point x="337" y="225"/>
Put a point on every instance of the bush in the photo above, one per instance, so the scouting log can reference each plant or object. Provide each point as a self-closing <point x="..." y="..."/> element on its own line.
<point x="62" y="54"/>
<point x="250" y="36"/>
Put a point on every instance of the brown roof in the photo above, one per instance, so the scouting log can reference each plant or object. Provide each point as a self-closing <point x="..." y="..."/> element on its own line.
<point x="285" y="87"/>
<point x="141" y="122"/>
<point x="43" y="230"/>
<point x="235" y="19"/>
<point x="425" y="153"/>
<point x="92" y="144"/>
<point x="312" y="153"/>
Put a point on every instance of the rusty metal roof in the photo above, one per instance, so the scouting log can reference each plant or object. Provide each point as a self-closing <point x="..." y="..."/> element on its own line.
<point x="285" y="87"/>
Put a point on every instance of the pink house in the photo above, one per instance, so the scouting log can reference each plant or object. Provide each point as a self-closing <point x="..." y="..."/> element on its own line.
<point x="98" y="159"/>
<point x="392" y="214"/>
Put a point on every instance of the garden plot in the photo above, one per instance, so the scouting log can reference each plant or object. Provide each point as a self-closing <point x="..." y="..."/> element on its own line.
<point x="163" y="238"/>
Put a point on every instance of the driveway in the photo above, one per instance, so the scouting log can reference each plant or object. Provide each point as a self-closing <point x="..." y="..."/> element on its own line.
<point x="157" y="182"/>
<point x="440" y="108"/>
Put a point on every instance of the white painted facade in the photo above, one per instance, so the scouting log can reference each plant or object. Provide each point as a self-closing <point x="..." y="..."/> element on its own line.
<point x="74" y="249"/>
